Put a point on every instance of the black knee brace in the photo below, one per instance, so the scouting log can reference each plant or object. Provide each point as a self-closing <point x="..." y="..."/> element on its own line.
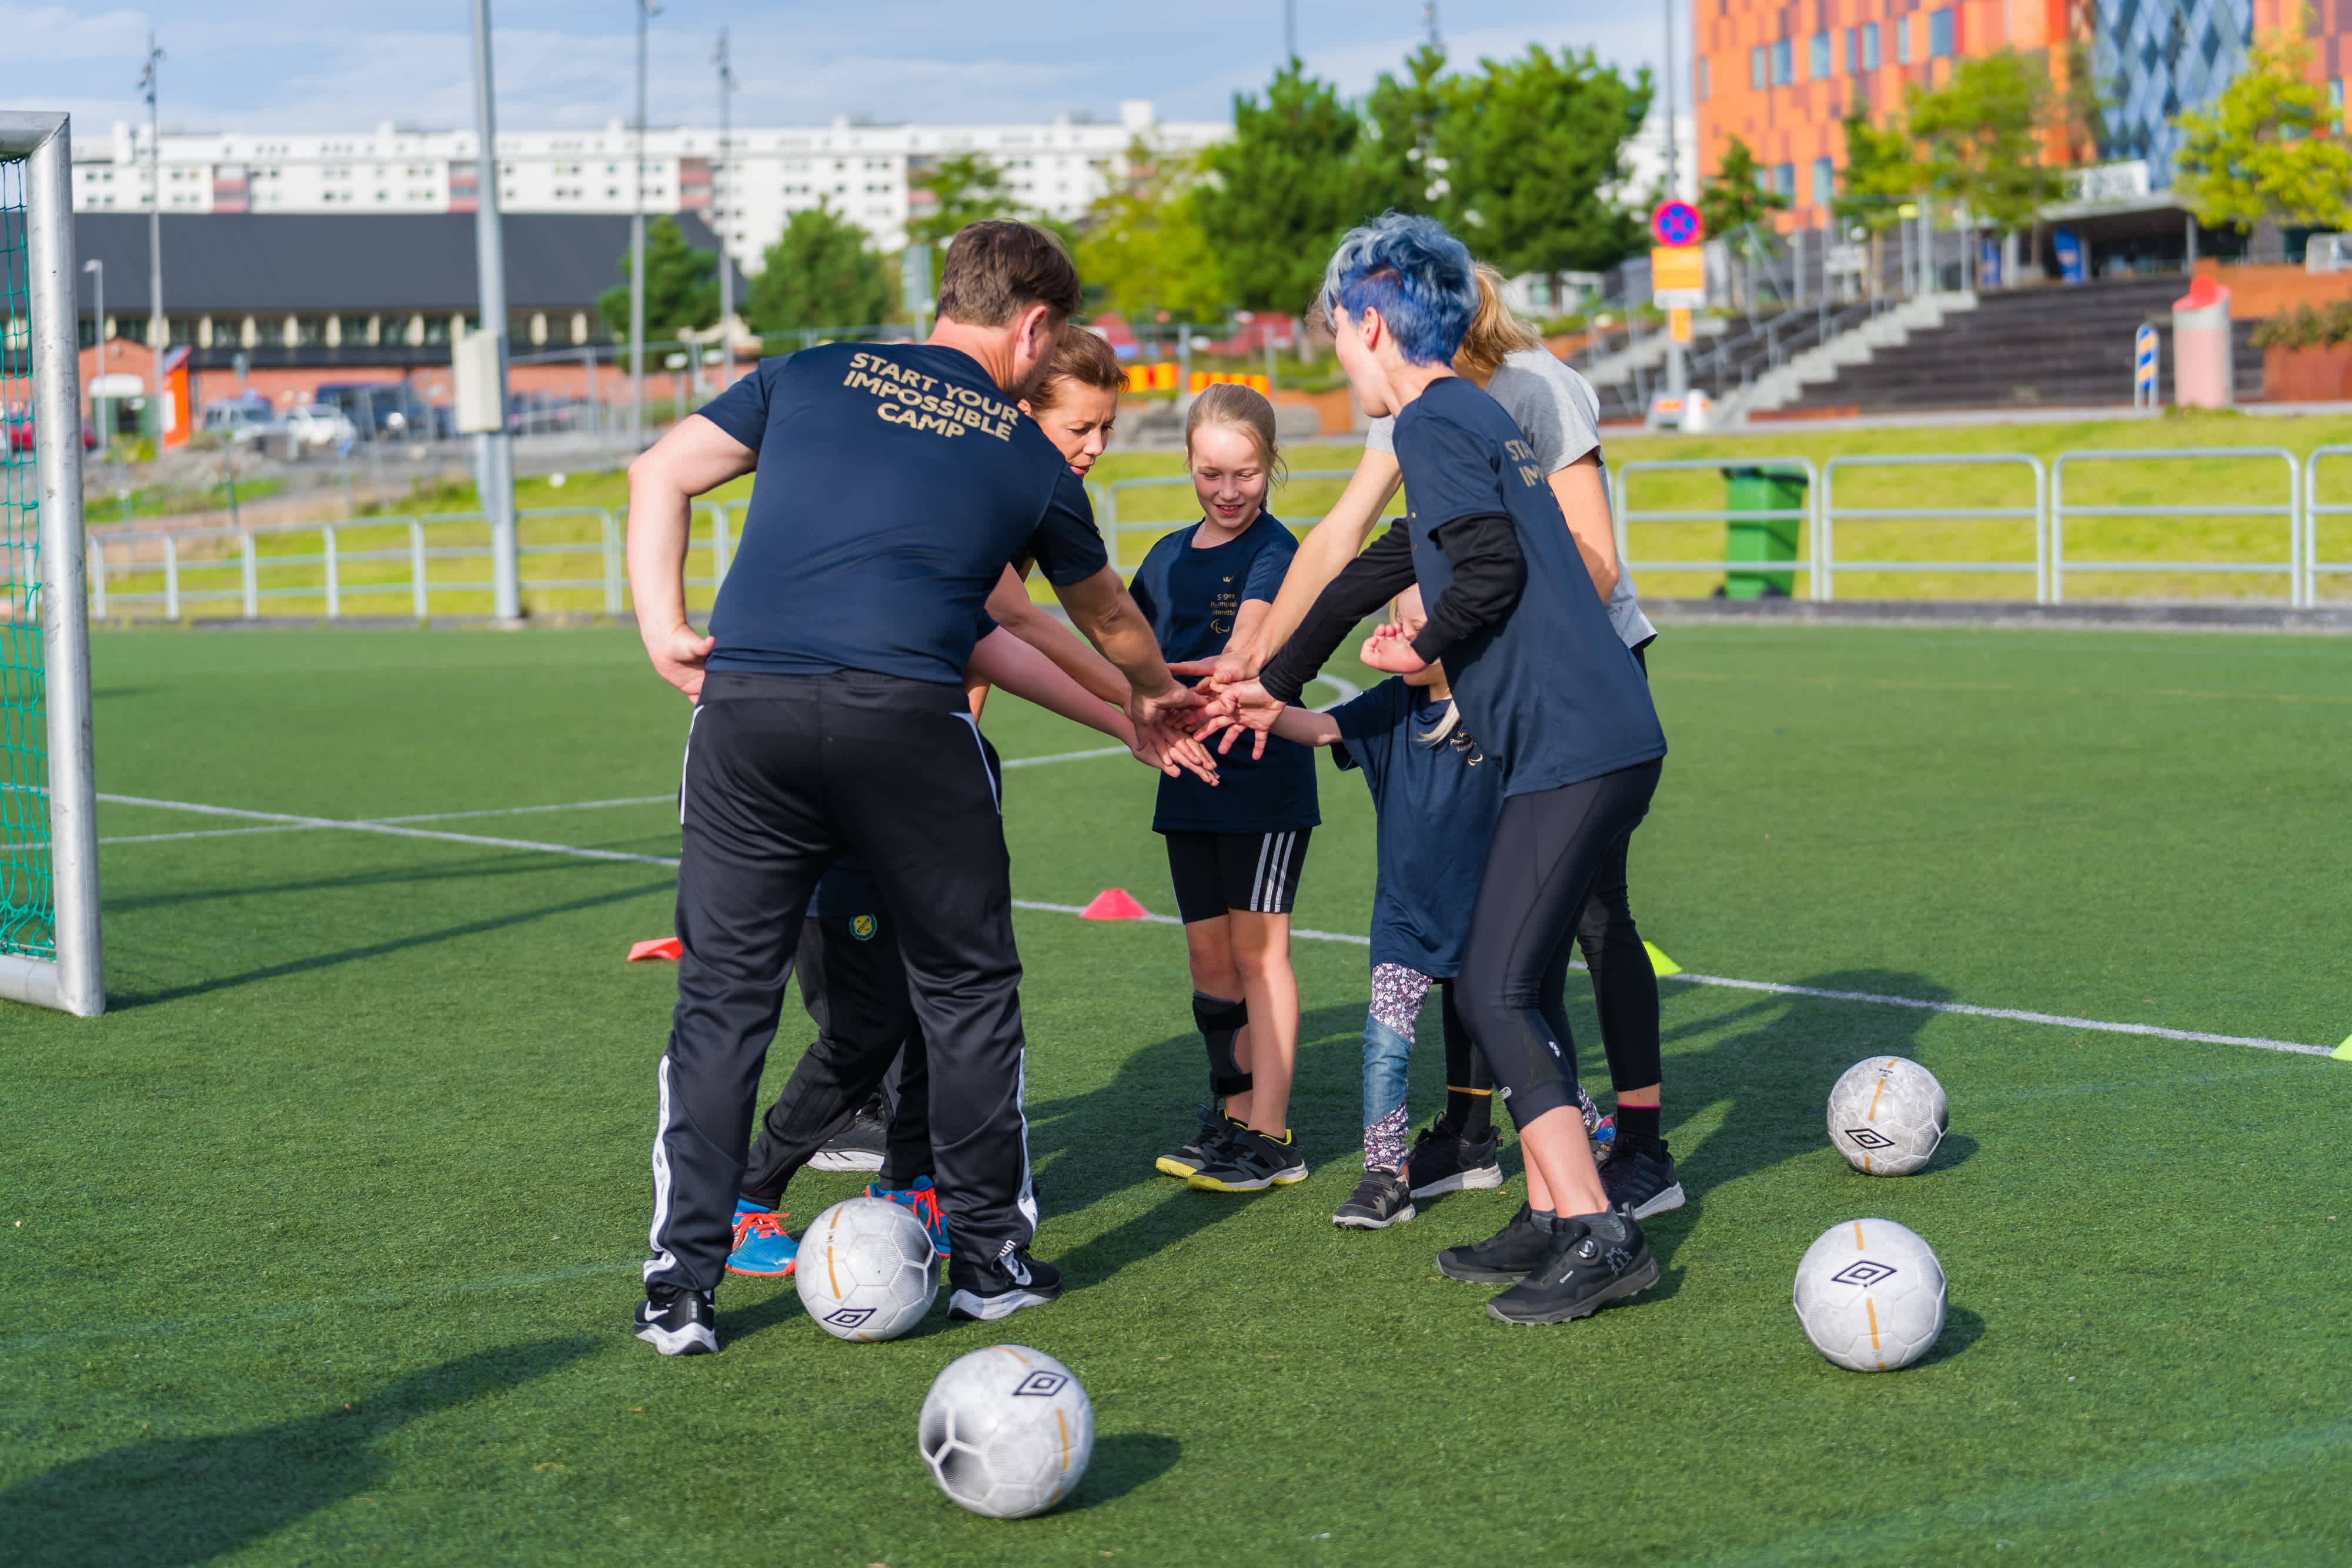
<point x="1219" y="1020"/>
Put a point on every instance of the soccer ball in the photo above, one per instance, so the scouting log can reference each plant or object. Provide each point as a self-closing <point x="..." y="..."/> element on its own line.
<point x="1886" y="1115"/>
<point x="1007" y="1431"/>
<point x="1871" y="1295"/>
<point x="867" y="1270"/>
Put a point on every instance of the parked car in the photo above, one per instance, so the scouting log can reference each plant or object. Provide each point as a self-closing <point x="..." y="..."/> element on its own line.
<point x="17" y="427"/>
<point x="319" y="424"/>
<point x="388" y="411"/>
<point x="249" y="418"/>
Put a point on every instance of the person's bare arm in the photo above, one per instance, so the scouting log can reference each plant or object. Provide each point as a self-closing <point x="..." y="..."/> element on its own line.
<point x="1011" y="608"/>
<point x="1306" y="726"/>
<point x="1583" y="496"/>
<point x="695" y="457"/>
<point x="1322" y="555"/>
<point x="1007" y="661"/>
<point x="1105" y="615"/>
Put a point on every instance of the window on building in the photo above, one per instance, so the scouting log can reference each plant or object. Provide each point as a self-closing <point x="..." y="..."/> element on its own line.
<point x="1756" y="67"/>
<point x="1852" y="49"/>
<point x="1869" y="45"/>
<point x="1707" y="83"/>
<point x="1817" y="57"/>
<point x="1824" y="181"/>
<point x="1783" y="68"/>
<point x="1902" y="26"/>
<point x="1784" y="179"/>
<point x="1940" y="33"/>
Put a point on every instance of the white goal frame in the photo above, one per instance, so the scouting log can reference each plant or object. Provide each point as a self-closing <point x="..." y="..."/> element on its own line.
<point x="74" y="981"/>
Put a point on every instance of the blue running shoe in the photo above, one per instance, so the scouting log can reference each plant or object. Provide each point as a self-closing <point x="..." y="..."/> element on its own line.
<point x="925" y="1202"/>
<point x="762" y="1248"/>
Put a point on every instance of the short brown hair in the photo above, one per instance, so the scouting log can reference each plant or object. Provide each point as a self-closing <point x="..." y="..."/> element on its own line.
<point x="1494" y="333"/>
<point x="1247" y="411"/>
<point x="997" y="268"/>
<point x="1083" y="358"/>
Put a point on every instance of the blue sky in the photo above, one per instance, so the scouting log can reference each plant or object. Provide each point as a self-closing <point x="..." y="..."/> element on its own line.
<point x="298" y="64"/>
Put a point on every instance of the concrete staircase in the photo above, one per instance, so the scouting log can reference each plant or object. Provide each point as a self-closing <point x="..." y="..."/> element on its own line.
<point x="1824" y="363"/>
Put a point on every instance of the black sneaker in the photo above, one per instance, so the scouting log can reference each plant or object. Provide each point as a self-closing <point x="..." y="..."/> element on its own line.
<point x="677" y="1321"/>
<point x="857" y="1147"/>
<point x="1208" y="1143"/>
<point x="1503" y="1258"/>
<point x="1001" y="1287"/>
<point x="1250" y="1160"/>
<point x="1444" y="1161"/>
<point x="1379" y="1201"/>
<point x="1585" y="1269"/>
<point x="1640" y="1179"/>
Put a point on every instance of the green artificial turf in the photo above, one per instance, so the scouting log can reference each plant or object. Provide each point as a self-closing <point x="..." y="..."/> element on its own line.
<point x="318" y="1245"/>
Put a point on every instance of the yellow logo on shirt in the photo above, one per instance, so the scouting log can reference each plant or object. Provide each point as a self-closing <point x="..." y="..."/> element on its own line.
<point x="861" y="927"/>
<point x="907" y="398"/>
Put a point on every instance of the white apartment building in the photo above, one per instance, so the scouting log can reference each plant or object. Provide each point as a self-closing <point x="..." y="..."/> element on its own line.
<point x="747" y="189"/>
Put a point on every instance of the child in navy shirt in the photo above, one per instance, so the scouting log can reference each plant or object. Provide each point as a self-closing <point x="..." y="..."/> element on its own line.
<point x="1234" y="848"/>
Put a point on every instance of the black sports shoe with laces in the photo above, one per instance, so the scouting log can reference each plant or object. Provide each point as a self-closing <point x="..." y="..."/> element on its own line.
<point x="1001" y="1287"/>
<point x="1250" y="1160"/>
<point x="1379" y="1201"/>
<point x="1208" y="1142"/>
<point x="1640" y="1179"/>
<point x="1594" y="1258"/>
<point x="677" y="1321"/>
<point x="1503" y="1257"/>
<point x="1444" y="1161"/>
<point x="860" y="1147"/>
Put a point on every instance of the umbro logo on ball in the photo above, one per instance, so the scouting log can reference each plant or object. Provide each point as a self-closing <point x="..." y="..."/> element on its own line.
<point x="1868" y="1139"/>
<point x="849" y="1317"/>
<point x="1044" y="1385"/>
<point x="1863" y="1273"/>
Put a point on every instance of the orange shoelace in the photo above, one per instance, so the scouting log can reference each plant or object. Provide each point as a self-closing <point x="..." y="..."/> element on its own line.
<point x="759" y="1224"/>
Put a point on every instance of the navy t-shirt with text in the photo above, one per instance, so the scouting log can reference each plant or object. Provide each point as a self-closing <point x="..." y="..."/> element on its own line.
<point x="1552" y="692"/>
<point x="1437" y="804"/>
<point x="895" y="482"/>
<point x="1190" y="597"/>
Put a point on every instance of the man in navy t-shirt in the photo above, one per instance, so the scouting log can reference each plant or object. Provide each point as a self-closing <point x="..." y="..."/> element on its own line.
<point x="895" y="483"/>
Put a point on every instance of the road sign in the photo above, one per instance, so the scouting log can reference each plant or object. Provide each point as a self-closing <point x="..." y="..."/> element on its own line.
<point x="1678" y="278"/>
<point x="1675" y="224"/>
<point x="2144" y="367"/>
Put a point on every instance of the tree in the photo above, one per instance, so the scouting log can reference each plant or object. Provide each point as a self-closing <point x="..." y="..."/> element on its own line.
<point x="1396" y="157"/>
<point x="819" y="273"/>
<point x="1142" y="243"/>
<point x="1286" y="187"/>
<point x="1529" y="145"/>
<point x="1735" y="193"/>
<point x="2268" y="149"/>
<point x="681" y="286"/>
<point x="966" y="188"/>
<point x="1880" y="176"/>
<point x="1982" y="134"/>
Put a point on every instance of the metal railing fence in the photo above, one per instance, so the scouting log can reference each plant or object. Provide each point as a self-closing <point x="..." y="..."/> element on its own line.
<point x="1832" y="512"/>
<point x="2061" y="509"/>
<point x="1106" y="497"/>
<point x="1622" y="514"/>
<point x="2313" y="510"/>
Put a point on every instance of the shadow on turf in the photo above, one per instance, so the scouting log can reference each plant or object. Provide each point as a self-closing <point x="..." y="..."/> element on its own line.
<point x="190" y="1499"/>
<point x="1962" y="1327"/>
<point x="1123" y="1462"/>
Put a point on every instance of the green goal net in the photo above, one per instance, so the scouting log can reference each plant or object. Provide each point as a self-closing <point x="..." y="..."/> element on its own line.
<point x="27" y="893"/>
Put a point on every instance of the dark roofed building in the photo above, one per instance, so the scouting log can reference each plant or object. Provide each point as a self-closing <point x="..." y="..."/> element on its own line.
<point x="321" y="291"/>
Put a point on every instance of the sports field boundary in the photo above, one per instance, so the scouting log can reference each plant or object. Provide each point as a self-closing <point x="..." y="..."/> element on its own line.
<point x="394" y="827"/>
<point x="2002" y="614"/>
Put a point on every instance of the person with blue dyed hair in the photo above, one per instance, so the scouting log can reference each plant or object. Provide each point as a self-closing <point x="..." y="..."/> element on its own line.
<point x="1555" y="698"/>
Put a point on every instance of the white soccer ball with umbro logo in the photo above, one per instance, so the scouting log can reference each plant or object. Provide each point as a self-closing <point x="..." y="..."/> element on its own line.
<point x="1007" y="1431"/>
<point x="1870" y="1294"/>
<point x="1887" y="1114"/>
<point x="867" y="1270"/>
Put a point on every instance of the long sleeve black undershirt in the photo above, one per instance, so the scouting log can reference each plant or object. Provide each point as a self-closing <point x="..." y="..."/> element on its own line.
<point x="1489" y="574"/>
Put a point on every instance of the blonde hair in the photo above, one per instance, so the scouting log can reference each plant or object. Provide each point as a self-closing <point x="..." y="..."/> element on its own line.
<point x="1494" y="333"/>
<point x="1083" y="357"/>
<point x="1445" y="725"/>
<point x="1247" y="411"/>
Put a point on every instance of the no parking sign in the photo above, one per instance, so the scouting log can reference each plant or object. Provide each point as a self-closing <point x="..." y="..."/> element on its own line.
<point x="1675" y="224"/>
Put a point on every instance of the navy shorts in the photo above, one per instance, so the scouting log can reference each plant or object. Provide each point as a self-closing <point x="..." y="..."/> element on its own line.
<point x="1216" y="872"/>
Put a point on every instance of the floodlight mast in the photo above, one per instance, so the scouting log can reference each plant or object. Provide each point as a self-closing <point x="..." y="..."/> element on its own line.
<point x="159" y="331"/>
<point x="718" y="207"/>
<point x="1677" y="362"/>
<point x="646" y="11"/>
<point x="493" y="449"/>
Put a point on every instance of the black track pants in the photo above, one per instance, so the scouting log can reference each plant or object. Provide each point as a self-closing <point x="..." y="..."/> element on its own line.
<point x="1547" y="850"/>
<point x="856" y="991"/>
<point x="1625" y="982"/>
<point x="784" y="774"/>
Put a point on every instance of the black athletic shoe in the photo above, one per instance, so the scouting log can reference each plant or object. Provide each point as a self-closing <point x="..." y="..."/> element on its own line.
<point x="1640" y="1179"/>
<point x="1250" y="1160"/>
<point x="1444" y="1161"/>
<point x="1507" y="1254"/>
<point x="1379" y="1201"/>
<point x="1001" y="1287"/>
<point x="1207" y="1144"/>
<point x="675" y="1321"/>
<point x="1586" y="1267"/>
<point x="858" y="1147"/>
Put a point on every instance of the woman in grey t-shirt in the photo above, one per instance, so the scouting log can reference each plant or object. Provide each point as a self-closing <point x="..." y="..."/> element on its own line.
<point x="1556" y="409"/>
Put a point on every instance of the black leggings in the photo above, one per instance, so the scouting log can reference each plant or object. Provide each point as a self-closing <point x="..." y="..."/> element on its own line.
<point x="1546" y="857"/>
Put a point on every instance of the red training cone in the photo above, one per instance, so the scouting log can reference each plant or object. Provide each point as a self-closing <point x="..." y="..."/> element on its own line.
<point x="1113" y="903"/>
<point x="667" y="947"/>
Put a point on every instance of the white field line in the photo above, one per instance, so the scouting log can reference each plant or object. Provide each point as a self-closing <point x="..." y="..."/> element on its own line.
<point x="1067" y="757"/>
<point x="1775" y="987"/>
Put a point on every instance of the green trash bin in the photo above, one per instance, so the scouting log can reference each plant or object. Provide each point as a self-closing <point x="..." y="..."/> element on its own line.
<point x="1766" y="537"/>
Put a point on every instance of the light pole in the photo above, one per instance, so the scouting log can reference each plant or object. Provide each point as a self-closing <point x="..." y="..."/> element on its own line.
<point x="718" y="208"/>
<point x="1289" y="29"/>
<point x="158" y="332"/>
<point x="493" y="449"/>
<point x="97" y="270"/>
<point x="1677" y="362"/>
<point x="646" y="11"/>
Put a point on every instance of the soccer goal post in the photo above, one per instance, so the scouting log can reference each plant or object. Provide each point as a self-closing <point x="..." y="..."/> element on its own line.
<point x="48" y="831"/>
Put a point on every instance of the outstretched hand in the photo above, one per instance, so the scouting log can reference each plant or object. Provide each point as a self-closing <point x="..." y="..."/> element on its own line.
<point x="1169" y="748"/>
<point x="1234" y="709"/>
<point x="1389" y="650"/>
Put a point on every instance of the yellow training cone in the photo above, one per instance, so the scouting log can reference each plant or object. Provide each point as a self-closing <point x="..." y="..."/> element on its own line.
<point x="2342" y="1052"/>
<point x="1666" y="966"/>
